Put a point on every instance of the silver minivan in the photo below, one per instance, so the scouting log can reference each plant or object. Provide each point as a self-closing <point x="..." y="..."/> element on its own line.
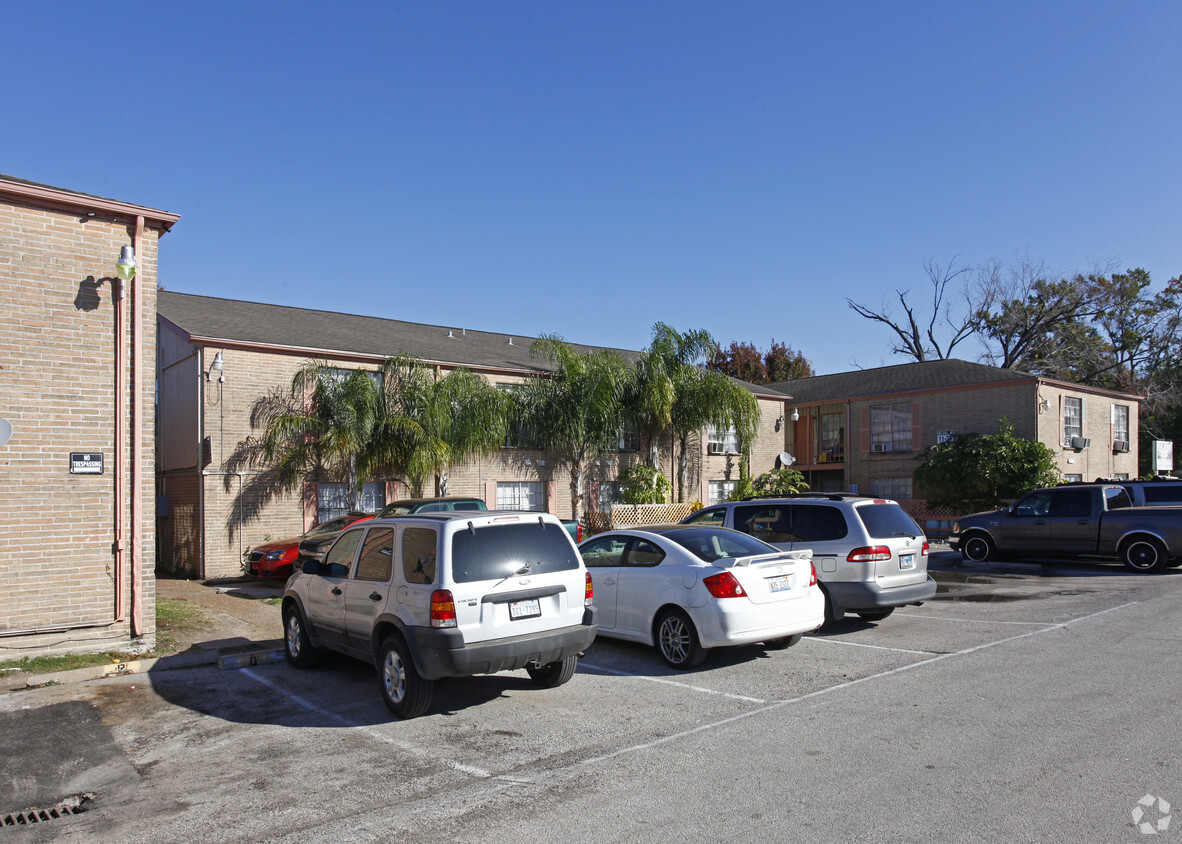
<point x="870" y="555"/>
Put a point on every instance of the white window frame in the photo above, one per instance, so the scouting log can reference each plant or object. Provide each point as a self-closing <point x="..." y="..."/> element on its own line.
<point x="1072" y="418"/>
<point x="720" y="491"/>
<point x="1120" y="422"/>
<point x="331" y="500"/>
<point x="728" y="440"/>
<point x="521" y="495"/>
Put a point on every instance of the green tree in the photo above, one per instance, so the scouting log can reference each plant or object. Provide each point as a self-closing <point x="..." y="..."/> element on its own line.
<point x="658" y="374"/>
<point x="444" y="420"/>
<point x="978" y="471"/>
<point x="747" y="363"/>
<point x="705" y="397"/>
<point x="780" y="482"/>
<point x="641" y="484"/>
<point x="575" y="412"/>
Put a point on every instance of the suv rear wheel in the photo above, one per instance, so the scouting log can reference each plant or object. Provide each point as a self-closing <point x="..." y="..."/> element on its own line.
<point x="554" y="673"/>
<point x="405" y="693"/>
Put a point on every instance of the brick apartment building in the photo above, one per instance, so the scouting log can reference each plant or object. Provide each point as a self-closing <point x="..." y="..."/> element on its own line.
<point x="865" y="430"/>
<point x="78" y="347"/>
<point x="206" y="524"/>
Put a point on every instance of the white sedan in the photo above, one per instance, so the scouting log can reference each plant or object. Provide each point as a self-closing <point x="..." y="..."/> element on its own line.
<point x="688" y="588"/>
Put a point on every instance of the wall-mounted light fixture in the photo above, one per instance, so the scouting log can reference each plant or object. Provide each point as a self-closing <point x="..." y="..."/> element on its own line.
<point x="1044" y="405"/>
<point x="218" y="366"/>
<point x="795" y="415"/>
<point x="126" y="267"/>
<point x="779" y="422"/>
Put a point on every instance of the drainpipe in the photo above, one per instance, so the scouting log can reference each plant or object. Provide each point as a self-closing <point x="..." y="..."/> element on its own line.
<point x="137" y="447"/>
<point x="120" y="429"/>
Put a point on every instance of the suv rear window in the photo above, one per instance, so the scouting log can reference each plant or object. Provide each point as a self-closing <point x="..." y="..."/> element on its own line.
<point x="883" y="521"/>
<point x="497" y="551"/>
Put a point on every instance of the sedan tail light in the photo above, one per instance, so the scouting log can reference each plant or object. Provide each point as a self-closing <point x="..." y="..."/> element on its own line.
<point x="869" y="554"/>
<point x="724" y="585"/>
<point x="812" y="574"/>
<point x="589" y="592"/>
<point x="443" y="609"/>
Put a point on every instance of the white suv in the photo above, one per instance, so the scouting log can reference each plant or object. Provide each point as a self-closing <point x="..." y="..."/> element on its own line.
<point x="445" y="595"/>
<point x="870" y="555"/>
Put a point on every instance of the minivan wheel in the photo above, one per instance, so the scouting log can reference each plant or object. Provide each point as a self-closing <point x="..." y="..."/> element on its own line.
<point x="979" y="548"/>
<point x="296" y="644"/>
<point x="553" y="673"/>
<point x="875" y="615"/>
<point x="782" y="643"/>
<point x="677" y="641"/>
<point x="1144" y="554"/>
<point x="405" y="693"/>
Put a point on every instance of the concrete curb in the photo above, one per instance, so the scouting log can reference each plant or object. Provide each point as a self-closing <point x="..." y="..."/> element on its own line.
<point x="227" y="659"/>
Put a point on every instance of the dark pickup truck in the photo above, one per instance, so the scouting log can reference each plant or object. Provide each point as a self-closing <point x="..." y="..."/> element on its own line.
<point x="1080" y="520"/>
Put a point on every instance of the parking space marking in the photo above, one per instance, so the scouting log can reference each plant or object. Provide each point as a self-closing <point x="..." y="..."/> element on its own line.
<point x="668" y="682"/>
<point x="876" y="647"/>
<point x="848" y="684"/>
<point x="369" y="731"/>
<point x="976" y="620"/>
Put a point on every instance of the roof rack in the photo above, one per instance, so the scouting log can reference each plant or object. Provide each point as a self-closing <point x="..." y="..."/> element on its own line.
<point x="829" y="496"/>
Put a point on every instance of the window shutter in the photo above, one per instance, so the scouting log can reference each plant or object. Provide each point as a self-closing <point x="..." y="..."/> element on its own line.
<point x="916" y="428"/>
<point x="865" y="429"/>
<point x="1062" y="422"/>
<point x="490" y="494"/>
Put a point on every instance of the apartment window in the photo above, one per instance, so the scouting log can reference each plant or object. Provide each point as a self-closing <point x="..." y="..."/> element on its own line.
<point x="332" y="500"/>
<point x="890" y="427"/>
<point x="520" y="495"/>
<point x="521" y="435"/>
<point x="720" y="491"/>
<point x="629" y="436"/>
<point x="724" y="442"/>
<point x="1072" y="419"/>
<point x="1073" y="478"/>
<point x="832" y="445"/>
<point x="338" y="375"/>
<point x="1120" y="422"/>
<point x="896" y="488"/>
<point x="610" y="492"/>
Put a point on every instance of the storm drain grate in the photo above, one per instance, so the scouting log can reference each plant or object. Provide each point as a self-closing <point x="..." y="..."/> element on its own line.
<point x="75" y="805"/>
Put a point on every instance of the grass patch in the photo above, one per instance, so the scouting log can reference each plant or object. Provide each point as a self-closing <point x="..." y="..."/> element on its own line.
<point x="173" y="616"/>
<point x="273" y="602"/>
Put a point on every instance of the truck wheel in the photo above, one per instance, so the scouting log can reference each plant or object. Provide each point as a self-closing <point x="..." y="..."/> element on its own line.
<point x="1144" y="554"/>
<point x="979" y="548"/>
<point x="554" y="673"/>
<point x="405" y="693"/>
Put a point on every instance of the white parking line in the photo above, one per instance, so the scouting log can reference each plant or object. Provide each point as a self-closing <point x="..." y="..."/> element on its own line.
<point x="860" y="645"/>
<point x="369" y="731"/>
<point x="976" y="620"/>
<point x="829" y="689"/>
<point x="618" y="673"/>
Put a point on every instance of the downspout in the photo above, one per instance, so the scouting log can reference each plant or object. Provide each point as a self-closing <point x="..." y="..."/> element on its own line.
<point x="137" y="446"/>
<point x="120" y="428"/>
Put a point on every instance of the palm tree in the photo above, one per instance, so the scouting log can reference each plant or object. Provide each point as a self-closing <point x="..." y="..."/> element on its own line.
<point x="706" y="397"/>
<point x="575" y="412"/>
<point x="660" y="369"/>
<point x="444" y="420"/>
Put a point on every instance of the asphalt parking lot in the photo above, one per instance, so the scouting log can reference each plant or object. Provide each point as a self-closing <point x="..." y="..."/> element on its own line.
<point x="1027" y="703"/>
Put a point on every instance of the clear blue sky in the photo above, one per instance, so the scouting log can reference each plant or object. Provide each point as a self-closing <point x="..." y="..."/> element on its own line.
<point x="591" y="168"/>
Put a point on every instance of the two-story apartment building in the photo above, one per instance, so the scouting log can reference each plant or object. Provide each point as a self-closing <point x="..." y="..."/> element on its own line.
<point x="864" y="430"/>
<point x="209" y="517"/>
<point x="77" y="357"/>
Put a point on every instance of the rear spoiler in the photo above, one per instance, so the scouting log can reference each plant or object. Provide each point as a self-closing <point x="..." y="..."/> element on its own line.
<point x="805" y="554"/>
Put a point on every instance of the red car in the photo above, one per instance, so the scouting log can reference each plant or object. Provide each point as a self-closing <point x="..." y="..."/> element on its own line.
<point x="274" y="559"/>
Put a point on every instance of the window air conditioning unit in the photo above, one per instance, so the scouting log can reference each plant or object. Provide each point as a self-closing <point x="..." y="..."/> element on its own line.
<point x="879" y="448"/>
<point x="715" y="448"/>
<point x="1080" y="442"/>
<point x="1120" y="445"/>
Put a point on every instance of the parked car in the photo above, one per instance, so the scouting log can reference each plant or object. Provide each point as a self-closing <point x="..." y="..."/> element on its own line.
<point x="445" y="595"/>
<point x="870" y="555"/>
<point x="411" y="506"/>
<point x="1075" y="520"/>
<point x="275" y="559"/>
<point x="688" y="588"/>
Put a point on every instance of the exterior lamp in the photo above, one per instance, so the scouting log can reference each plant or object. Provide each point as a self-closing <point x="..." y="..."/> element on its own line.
<point x="126" y="267"/>
<point x="216" y="366"/>
<point x="795" y="415"/>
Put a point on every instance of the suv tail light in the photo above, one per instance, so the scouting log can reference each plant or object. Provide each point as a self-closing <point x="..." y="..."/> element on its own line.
<point x="812" y="574"/>
<point x="589" y="592"/>
<point x="869" y="554"/>
<point x="927" y="546"/>
<point x="443" y="609"/>
<point x="724" y="585"/>
<point x="579" y="532"/>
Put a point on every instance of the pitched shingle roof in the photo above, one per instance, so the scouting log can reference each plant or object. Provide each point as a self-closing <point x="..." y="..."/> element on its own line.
<point x="907" y="377"/>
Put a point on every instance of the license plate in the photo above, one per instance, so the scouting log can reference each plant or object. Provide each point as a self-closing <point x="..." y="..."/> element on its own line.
<point x="779" y="584"/>
<point x="531" y="608"/>
<point x="906" y="561"/>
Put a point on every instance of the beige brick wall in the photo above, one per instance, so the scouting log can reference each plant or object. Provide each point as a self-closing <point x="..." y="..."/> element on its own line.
<point x="57" y="388"/>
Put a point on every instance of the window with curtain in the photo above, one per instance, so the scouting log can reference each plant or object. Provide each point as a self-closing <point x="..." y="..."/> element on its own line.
<point x="727" y="441"/>
<point x="520" y="495"/>
<point x="720" y="491"/>
<point x="332" y="500"/>
<point x="1072" y="418"/>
